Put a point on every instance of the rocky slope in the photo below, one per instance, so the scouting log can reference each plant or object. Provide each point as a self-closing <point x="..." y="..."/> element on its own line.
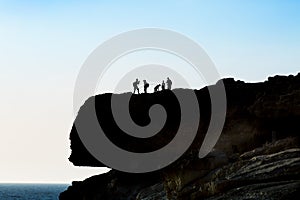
<point x="256" y="157"/>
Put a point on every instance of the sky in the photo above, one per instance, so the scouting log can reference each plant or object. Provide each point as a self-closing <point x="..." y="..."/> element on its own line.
<point x="43" y="45"/>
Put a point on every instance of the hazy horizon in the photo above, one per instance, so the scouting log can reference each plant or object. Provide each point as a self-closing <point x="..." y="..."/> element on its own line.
<point x="44" y="44"/>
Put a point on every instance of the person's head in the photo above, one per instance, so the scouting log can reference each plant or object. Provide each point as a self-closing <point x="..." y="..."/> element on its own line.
<point x="136" y="79"/>
<point x="144" y="81"/>
<point x="168" y="78"/>
<point x="163" y="81"/>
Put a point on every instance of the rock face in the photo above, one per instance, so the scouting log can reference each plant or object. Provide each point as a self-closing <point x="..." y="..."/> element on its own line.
<point x="115" y="185"/>
<point x="266" y="176"/>
<point x="256" y="157"/>
<point x="268" y="172"/>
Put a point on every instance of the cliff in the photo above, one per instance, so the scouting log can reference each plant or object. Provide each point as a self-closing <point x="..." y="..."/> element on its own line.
<point x="257" y="155"/>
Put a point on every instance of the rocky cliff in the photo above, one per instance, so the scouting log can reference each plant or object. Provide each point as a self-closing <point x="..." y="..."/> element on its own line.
<point x="256" y="157"/>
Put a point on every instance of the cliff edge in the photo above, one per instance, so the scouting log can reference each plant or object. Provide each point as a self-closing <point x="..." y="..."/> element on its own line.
<point x="257" y="155"/>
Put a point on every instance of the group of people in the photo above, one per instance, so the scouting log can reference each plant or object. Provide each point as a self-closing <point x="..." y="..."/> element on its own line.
<point x="156" y="88"/>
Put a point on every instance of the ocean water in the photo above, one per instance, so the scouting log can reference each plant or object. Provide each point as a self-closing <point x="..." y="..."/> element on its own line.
<point x="31" y="191"/>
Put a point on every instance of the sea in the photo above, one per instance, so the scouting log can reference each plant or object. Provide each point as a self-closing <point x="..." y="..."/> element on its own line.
<point x="12" y="191"/>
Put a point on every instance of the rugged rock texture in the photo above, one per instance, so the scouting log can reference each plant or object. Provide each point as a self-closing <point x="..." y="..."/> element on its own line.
<point x="115" y="185"/>
<point x="256" y="157"/>
<point x="268" y="172"/>
<point x="274" y="175"/>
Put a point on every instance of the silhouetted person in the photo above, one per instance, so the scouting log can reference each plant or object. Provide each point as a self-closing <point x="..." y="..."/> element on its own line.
<point x="156" y="88"/>
<point x="146" y="85"/>
<point x="163" y="86"/>
<point x="169" y="83"/>
<point x="135" y="86"/>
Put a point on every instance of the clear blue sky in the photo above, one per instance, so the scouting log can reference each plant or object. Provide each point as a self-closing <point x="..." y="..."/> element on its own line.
<point x="44" y="43"/>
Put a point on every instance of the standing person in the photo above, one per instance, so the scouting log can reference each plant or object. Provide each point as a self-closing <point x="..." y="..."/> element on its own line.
<point x="135" y="86"/>
<point x="169" y="83"/>
<point x="163" y="86"/>
<point x="146" y="85"/>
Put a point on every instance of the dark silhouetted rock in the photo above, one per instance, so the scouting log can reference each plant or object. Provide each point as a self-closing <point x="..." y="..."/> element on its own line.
<point x="256" y="157"/>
